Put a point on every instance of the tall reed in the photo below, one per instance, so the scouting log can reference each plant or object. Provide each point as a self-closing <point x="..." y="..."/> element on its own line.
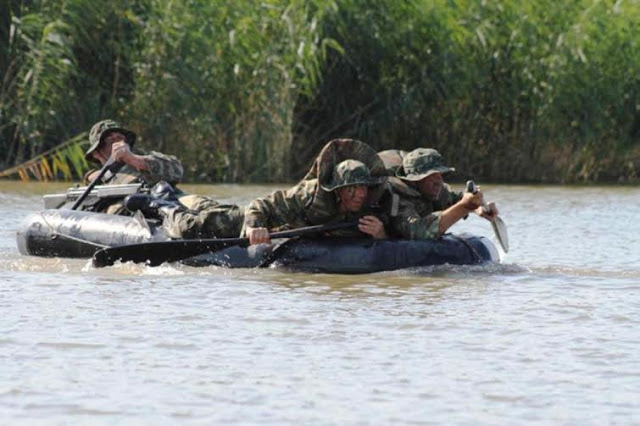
<point x="68" y="64"/>
<point x="509" y="91"/>
<point x="218" y="81"/>
<point x="514" y="91"/>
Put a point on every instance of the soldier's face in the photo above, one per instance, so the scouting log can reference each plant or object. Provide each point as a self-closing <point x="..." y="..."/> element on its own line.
<point x="431" y="185"/>
<point x="103" y="152"/>
<point x="352" y="197"/>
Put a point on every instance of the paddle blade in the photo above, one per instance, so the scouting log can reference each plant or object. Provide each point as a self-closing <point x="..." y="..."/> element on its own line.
<point x="500" y="229"/>
<point x="156" y="253"/>
<point x="498" y="225"/>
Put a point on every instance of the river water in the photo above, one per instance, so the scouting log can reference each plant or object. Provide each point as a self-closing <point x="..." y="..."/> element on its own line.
<point x="549" y="336"/>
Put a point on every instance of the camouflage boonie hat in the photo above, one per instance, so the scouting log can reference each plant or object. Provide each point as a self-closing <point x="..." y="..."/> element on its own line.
<point x="349" y="173"/>
<point x="100" y="130"/>
<point x="421" y="163"/>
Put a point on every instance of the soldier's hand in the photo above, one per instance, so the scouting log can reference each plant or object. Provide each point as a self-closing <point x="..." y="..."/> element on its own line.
<point x="90" y="176"/>
<point x="472" y="201"/>
<point x="490" y="212"/>
<point x="258" y="235"/>
<point x="373" y="226"/>
<point x="121" y="152"/>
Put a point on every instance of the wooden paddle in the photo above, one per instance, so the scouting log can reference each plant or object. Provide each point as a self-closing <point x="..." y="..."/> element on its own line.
<point x="93" y="183"/>
<point x="156" y="253"/>
<point x="498" y="225"/>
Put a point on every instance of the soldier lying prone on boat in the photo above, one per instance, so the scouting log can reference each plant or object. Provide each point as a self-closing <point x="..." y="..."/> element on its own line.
<point x="346" y="182"/>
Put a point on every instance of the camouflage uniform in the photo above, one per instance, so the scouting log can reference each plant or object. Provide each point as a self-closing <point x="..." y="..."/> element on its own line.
<point x="161" y="167"/>
<point x="342" y="162"/>
<point x="188" y="216"/>
<point x="392" y="159"/>
<point x="203" y="218"/>
<point x="418" y="215"/>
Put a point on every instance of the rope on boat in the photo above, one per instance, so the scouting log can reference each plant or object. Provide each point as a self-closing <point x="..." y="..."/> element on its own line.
<point x="474" y="252"/>
<point x="56" y="234"/>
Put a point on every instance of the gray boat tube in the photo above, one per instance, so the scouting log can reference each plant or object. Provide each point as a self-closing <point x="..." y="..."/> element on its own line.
<point x="356" y="256"/>
<point x="79" y="234"/>
<point x="363" y="256"/>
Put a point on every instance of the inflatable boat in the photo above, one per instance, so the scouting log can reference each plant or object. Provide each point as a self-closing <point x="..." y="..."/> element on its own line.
<point x="61" y="232"/>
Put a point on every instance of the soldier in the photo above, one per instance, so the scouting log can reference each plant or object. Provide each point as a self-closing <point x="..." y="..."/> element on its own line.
<point x="428" y="207"/>
<point x="345" y="183"/>
<point x="109" y="139"/>
<point x="182" y="215"/>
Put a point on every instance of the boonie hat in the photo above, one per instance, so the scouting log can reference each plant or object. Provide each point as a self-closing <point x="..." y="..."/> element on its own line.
<point x="100" y="130"/>
<point x="421" y="163"/>
<point x="349" y="173"/>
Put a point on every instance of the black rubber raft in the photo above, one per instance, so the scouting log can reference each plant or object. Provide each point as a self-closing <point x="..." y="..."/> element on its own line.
<point x="79" y="234"/>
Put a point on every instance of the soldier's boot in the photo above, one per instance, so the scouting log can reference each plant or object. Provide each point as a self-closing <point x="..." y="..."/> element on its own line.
<point x="160" y="195"/>
<point x="164" y="191"/>
<point x="135" y="202"/>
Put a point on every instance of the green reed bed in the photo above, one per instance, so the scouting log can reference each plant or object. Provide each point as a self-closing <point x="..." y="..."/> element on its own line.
<point x="249" y="91"/>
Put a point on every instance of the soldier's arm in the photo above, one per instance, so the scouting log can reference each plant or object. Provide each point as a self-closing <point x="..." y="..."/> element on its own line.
<point x="90" y="176"/>
<point x="156" y="166"/>
<point x="153" y="167"/>
<point x="277" y="209"/>
<point x="467" y="203"/>
<point x="121" y="152"/>
<point x="408" y="223"/>
<point x="273" y="211"/>
<point x="449" y="208"/>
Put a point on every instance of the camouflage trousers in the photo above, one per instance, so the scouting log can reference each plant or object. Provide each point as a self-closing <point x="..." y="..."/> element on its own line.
<point x="205" y="218"/>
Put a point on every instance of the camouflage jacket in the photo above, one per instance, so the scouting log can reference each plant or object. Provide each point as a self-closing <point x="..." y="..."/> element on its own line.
<point x="418" y="217"/>
<point x="203" y="217"/>
<point x="307" y="204"/>
<point x="392" y="160"/>
<point x="161" y="167"/>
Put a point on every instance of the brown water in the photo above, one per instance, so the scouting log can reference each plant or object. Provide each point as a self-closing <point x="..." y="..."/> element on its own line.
<point x="550" y="336"/>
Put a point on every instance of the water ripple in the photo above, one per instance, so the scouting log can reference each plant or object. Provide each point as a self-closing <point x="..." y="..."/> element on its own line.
<point x="548" y="337"/>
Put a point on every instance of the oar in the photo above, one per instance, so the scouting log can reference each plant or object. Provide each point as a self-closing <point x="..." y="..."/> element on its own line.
<point x="156" y="253"/>
<point x="498" y="225"/>
<point x="93" y="183"/>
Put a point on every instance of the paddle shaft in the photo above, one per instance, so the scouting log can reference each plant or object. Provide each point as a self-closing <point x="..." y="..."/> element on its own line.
<point x="156" y="253"/>
<point x="93" y="183"/>
<point x="472" y="188"/>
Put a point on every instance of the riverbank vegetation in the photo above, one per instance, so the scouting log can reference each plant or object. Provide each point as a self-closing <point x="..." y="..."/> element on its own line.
<point x="249" y="91"/>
